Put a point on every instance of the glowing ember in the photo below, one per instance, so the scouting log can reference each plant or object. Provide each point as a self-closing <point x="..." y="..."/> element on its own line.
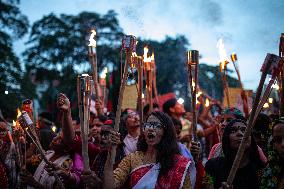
<point x="222" y="54"/>
<point x="207" y="102"/>
<point x="270" y="100"/>
<point x="92" y="40"/>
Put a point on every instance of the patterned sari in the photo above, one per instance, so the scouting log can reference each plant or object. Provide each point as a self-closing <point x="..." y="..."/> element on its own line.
<point x="147" y="176"/>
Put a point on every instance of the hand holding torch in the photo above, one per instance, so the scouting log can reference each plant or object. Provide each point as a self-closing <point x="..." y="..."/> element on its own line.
<point x="129" y="46"/>
<point x="28" y="126"/>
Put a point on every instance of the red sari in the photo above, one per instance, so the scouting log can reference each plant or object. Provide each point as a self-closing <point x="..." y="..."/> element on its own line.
<point x="174" y="179"/>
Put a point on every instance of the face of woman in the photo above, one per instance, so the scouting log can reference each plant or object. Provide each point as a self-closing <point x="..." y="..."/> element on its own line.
<point x="236" y="135"/>
<point x="132" y="120"/>
<point x="153" y="131"/>
<point x="278" y="139"/>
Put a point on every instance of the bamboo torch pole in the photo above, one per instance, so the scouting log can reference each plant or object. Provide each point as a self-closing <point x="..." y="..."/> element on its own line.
<point x="149" y="82"/>
<point x="129" y="46"/>
<point x="28" y="126"/>
<point x="281" y="77"/>
<point x="192" y="65"/>
<point x="93" y="61"/>
<point x="244" y="98"/>
<point x="155" y="79"/>
<point x="84" y="90"/>
<point x="140" y="86"/>
<point x="272" y="63"/>
<point x="223" y="71"/>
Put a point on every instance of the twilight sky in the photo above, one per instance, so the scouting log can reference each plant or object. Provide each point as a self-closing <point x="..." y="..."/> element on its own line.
<point x="251" y="28"/>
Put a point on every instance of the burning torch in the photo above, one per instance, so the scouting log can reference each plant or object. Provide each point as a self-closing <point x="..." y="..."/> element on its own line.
<point x="28" y="126"/>
<point x="84" y="91"/>
<point x="192" y="65"/>
<point x="223" y="68"/>
<point x="129" y="46"/>
<point x="148" y="63"/>
<point x="244" y="97"/>
<point x="93" y="60"/>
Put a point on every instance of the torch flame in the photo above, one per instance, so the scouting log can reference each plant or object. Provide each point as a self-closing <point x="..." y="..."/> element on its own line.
<point x="153" y="57"/>
<point x="207" y="102"/>
<point x="146" y="58"/>
<point x="92" y="40"/>
<point x="19" y="113"/>
<point x="134" y="54"/>
<point x="14" y="123"/>
<point x="104" y="73"/>
<point x="222" y="53"/>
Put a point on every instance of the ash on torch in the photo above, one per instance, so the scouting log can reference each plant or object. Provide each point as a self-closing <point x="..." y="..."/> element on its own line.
<point x="129" y="46"/>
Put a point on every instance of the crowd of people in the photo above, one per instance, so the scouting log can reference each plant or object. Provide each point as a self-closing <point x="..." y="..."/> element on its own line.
<point x="156" y="152"/>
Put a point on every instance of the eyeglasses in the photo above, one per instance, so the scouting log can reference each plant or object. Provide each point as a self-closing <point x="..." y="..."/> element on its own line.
<point x="133" y="115"/>
<point x="236" y="129"/>
<point x="152" y="125"/>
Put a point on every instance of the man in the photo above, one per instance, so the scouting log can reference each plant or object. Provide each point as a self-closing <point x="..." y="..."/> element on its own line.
<point x="130" y="122"/>
<point x="46" y="135"/>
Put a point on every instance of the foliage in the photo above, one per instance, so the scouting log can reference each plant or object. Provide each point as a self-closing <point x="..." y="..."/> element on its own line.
<point x="13" y="25"/>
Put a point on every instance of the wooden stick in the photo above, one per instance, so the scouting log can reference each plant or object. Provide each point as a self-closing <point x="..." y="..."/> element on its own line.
<point x="120" y="98"/>
<point x="140" y="87"/>
<point x="266" y="67"/>
<point x="192" y="64"/>
<point x="84" y="92"/>
<point x="31" y="133"/>
<point x="245" y="100"/>
<point x="281" y="77"/>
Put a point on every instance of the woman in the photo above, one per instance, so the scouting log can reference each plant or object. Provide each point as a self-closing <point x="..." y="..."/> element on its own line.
<point x="156" y="164"/>
<point x="273" y="176"/>
<point x="59" y="156"/>
<point x="217" y="169"/>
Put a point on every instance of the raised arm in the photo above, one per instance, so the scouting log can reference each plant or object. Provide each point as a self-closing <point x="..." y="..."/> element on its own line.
<point x="68" y="132"/>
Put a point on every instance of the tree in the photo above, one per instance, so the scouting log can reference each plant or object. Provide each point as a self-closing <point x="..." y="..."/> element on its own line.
<point x="13" y="26"/>
<point x="57" y="48"/>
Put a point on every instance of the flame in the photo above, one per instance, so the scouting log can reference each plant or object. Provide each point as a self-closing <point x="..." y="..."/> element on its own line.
<point x="207" y="102"/>
<point x="146" y="58"/>
<point x="134" y="54"/>
<point x="19" y="113"/>
<point x="198" y="95"/>
<point x="153" y="57"/>
<point x="193" y="84"/>
<point x="92" y="40"/>
<point x="14" y="123"/>
<point x="266" y="105"/>
<point x="222" y="54"/>
<point x="53" y="128"/>
<point x="270" y="100"/>
<point x="104" y="73"/>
